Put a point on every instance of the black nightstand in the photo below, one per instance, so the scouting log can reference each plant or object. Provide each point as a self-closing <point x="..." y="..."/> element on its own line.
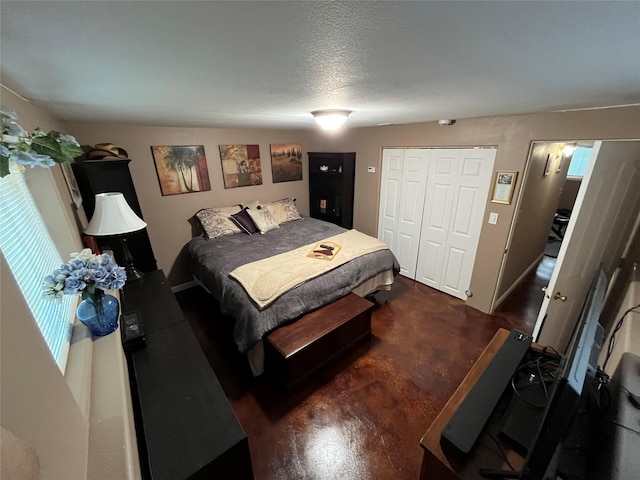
<point x="190" y="430"/>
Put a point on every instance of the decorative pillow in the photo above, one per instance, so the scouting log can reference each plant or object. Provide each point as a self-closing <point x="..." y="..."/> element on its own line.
<point x="244" y="221"/>
<point x="252" y="205"/>
<point x="263" y="220"/>
<point x="283" y="210"/>
<point x="215" y="222"/>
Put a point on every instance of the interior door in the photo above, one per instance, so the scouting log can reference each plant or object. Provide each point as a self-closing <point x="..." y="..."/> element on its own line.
<point x="605" y="210"/>
<point x="457" y="189"/>
<point x="391" y="178"/>
<point x="443" y="166"/>
<point x="404" y="174"/>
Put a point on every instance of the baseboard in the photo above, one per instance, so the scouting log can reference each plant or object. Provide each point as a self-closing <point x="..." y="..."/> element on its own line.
<point x="183" y="286"/>
<point x="519" y="280"/>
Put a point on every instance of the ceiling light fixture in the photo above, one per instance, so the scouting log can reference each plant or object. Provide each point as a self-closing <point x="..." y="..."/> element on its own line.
<point x="331" y="120"/>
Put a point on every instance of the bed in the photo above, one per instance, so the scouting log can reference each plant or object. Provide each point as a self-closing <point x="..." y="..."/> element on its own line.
<point x="212" y="260"/>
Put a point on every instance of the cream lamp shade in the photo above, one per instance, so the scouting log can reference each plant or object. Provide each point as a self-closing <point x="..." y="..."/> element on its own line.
<point x="113" y="216"/>
<point x="331" y="119"/>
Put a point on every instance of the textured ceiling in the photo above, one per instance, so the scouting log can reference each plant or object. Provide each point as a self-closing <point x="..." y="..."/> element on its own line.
<point x="268" y="64"/>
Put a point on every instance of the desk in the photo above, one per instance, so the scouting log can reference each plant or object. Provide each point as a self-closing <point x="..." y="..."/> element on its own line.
<point x="451" y="465"/>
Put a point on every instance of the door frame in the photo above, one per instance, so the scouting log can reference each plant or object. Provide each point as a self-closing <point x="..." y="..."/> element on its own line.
<point x="516" y="215"/>
<point x="612" y="265"/>
<point x="512" y="226"/>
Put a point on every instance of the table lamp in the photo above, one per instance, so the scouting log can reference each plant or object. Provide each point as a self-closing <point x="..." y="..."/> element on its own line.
<point x="113" y="216"/>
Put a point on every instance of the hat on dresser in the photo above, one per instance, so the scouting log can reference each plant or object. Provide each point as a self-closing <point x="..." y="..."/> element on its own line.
<point x="101" y="150"/>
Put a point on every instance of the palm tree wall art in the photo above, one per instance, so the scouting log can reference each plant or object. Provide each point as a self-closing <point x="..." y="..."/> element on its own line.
<point x="181" y="169"/>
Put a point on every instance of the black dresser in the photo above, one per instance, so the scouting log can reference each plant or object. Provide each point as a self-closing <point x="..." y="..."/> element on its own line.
<point x="185" y="425"/>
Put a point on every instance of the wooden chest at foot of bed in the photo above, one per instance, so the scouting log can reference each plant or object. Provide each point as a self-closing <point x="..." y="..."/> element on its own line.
<point x="295" y="351"/>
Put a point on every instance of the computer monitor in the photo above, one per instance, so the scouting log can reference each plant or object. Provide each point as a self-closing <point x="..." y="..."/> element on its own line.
<point x="577" y="366"/>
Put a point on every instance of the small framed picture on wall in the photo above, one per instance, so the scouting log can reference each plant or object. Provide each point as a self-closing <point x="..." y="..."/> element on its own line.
<point x="72" y="184"/>
<point x="547" y="165"/>
<point x="504" y="186"/>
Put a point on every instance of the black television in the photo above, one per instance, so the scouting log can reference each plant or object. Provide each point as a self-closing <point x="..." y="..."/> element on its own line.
<point x="578" y="367"/>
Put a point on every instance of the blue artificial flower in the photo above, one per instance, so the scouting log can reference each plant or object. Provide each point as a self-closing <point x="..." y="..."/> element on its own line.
<point x="100" y="274"/>
<point x="63" y="138"/>
<point x="19" y="146"/>
<point x="8" y="113"/>
<point x="93" y="264"/>
<point x="12" y="128"/>
<point x="63" y="270"/>
<point x="73" y="285"/>
<point x="77" y="264"/>
<point x="116" y="279"/>
<point x="33" y="159"/>
<point x="83" y="273"/>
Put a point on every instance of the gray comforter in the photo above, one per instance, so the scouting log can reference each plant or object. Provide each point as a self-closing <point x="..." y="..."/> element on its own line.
<point x="211" y="261"/>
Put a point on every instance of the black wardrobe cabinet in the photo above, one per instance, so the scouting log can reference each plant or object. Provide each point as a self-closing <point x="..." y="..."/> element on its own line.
<point x="331" y="182"/>
<point x="112" y="175"/>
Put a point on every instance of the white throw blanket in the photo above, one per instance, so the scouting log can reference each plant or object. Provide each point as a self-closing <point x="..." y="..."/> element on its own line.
<point x="267" y="279"/>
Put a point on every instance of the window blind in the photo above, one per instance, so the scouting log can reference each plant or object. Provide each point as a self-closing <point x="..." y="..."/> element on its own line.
<point x="32" y="255"/>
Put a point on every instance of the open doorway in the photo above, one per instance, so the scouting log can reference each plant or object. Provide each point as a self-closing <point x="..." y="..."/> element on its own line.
<point x="578" y="158"/>
<point x="606" y="209"/>
<point x="525" y="264"/>
<point x="597" y="236"/>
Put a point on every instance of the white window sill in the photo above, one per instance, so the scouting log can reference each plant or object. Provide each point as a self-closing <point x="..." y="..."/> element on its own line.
<point x="98" y="378"/>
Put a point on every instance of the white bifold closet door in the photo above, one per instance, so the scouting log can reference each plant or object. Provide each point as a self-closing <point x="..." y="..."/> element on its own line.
<point x="404" y="174"/>
<point x="441" y="195"/>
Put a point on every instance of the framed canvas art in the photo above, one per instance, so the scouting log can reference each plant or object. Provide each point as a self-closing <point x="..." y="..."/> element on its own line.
<point x="240" y="165"/>
<point x="181" y="169"/>
<point x="286" y="162"/>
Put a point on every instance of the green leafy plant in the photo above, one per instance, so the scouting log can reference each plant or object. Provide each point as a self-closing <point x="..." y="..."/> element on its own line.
<point x="37" y="149"/>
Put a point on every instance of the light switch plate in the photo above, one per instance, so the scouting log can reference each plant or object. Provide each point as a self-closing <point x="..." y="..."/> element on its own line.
<point x="371" y="169"/>
<point x="493" y="218"/>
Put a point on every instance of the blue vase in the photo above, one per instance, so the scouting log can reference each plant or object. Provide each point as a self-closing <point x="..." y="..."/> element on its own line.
<point x="99" y="313"/>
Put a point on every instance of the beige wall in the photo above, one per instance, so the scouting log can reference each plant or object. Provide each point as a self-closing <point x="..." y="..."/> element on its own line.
<point x="537" y="206"/>
<point x="511" y="134"/>
<point x="167" y="216"/>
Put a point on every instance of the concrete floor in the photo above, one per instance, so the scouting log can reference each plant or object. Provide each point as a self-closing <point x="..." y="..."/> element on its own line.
<point x="363" y="417"/>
